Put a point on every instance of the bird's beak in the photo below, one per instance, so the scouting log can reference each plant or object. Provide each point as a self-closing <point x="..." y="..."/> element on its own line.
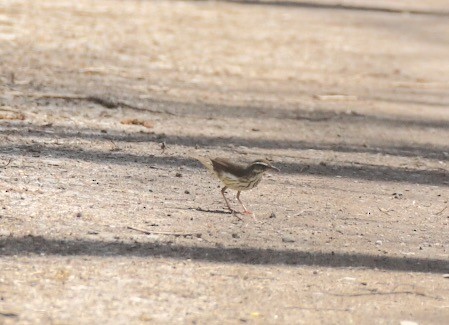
<point x="274" y="168"/>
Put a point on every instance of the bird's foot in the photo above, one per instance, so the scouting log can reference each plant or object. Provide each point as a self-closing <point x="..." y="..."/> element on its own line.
<point x="250" y="213"/>
<point x="235" y="213"/>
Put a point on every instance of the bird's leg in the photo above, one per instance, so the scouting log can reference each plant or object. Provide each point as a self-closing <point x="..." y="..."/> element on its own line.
<point x="227" y="202"/>
<point x="245" y="210"/>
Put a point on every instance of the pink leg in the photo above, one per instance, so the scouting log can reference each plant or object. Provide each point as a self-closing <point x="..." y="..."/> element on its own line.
<point x="245" y="210"/>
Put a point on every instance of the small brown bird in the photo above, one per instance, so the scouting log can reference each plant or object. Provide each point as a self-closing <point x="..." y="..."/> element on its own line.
<point x="237" y="177"/>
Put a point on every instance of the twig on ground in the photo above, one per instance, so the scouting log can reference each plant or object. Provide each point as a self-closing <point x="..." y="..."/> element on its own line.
<point x="440" y="212"/>
<point x="9" y="161"/>
<point x="163" y="146"/>
<point x="384" y="293"/>
<point x="384" y="211"/>
<point x="318" y="309"/>
<point x="105" y="102"/>
<point x="115" y="148"/>
<point x="6" y="314"/>
<point x="245" y="276"/>
<point x="299" y="213"/>
<point x="167" y="233"/>
<point x="58" y="96"/>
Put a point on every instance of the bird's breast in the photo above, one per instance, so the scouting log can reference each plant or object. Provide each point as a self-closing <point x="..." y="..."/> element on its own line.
<point x="239" y="183"/>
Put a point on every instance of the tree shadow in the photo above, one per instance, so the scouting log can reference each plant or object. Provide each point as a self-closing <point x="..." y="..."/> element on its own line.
<point x="24" y="246"/>
<point x="364" y="171"/>
<point x="215" y="111"/>
<point x="360" y="171"/>
<point x="317" y="115"/>
<point x="402" y="150"/>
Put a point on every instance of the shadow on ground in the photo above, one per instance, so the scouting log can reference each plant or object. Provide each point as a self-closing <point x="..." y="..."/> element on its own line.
<point x="359" y="171"/>
<point x="12" y="246"/>
<point x="316" y="115"/>
<point x="116" y="156"/>
<point x="404" y="150"/>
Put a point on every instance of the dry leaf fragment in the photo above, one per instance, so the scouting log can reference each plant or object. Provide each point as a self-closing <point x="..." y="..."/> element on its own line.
<point x="11" y="115"/>
<point x="134" y="121"/>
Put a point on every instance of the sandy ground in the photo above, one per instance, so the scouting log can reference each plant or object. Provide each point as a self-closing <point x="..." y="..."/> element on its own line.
<point x="99" y="224"/>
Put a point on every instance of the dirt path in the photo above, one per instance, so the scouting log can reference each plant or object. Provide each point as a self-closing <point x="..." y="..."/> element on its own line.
<point x="351" y="103"/>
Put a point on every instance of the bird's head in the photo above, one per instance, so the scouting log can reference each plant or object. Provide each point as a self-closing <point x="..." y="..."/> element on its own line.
<point x="261" y="165"/>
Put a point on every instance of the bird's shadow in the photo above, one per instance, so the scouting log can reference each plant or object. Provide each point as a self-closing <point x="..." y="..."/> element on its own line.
<point x="217" y="211"/>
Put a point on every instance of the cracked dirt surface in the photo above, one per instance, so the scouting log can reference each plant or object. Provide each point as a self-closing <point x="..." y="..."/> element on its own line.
<point x="99" y="224"/>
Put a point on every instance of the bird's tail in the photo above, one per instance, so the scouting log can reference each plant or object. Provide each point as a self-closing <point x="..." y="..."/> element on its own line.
<point x="205" y="161"/>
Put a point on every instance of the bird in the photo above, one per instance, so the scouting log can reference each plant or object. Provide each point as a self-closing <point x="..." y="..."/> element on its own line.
<point x="236" y="176"/>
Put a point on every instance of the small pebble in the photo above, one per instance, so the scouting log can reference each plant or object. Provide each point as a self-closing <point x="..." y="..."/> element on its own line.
<point x="397" y="195"/>
<point x="178" y="175"/>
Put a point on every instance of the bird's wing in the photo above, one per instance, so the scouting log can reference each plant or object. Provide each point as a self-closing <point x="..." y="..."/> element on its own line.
<point x="221" y="164"/>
